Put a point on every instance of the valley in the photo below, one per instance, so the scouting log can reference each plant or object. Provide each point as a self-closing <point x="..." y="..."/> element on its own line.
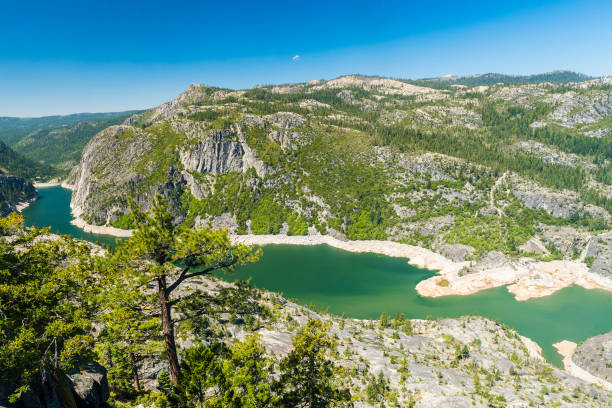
<point x="500" y="191"/>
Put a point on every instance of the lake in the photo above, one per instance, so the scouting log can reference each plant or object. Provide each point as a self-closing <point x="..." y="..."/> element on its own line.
<point x="365" y="285"/>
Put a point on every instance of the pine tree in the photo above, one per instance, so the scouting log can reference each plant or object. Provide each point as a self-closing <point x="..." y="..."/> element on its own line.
<point x="307" y="372"/>
<point x="246" y="380"/>
<point x="131" y="333"/>
<point x="166" y="254"/>
<point x="200" y="369"/>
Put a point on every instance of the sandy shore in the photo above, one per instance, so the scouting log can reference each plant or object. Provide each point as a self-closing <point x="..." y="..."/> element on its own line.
<point x="23" y="205"/>
<point x="566" y="349"/>
<point x="525" y="277"/>
<point x="421" y="257"/>
<point x="48" y="184"/>
<point x="98" y="229"/>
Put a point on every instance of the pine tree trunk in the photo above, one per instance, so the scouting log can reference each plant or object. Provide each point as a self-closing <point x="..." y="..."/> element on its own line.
<point x="134" y="369"/>
<point x="109" y="356"/>
<point x="168" y="330"/>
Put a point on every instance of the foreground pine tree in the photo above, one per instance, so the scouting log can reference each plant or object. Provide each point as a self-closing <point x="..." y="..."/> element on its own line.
<point x="167" y="254"/>
<point x="308" y="377"/>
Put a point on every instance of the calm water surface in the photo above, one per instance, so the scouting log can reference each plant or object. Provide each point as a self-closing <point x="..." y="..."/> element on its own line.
<point x="52" y="209"/>
<point x="365" y="285"/>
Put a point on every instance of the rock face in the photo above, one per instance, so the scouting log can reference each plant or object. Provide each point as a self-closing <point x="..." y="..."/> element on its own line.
<point x="557" y="204"/>
<point x="595" y="356"/>
<point x="534" y="245"/>
<point x="220" y="153"/>
<point x="600" y="253"/>
<point x="124" y="161"/>
<point x="90" y="386"/>
<point x="106" y="174"/>
<point x="13" y="191"/>
<point x="456" y="252"/>
<point x="85" y="388"/>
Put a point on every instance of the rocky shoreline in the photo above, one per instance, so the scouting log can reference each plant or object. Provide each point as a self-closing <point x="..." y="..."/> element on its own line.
<point x="567" y="349"/>
<point x="525" y="277"/>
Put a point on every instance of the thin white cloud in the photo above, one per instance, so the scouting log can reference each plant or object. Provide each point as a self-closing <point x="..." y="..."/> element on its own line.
<point x="296" y="57"/>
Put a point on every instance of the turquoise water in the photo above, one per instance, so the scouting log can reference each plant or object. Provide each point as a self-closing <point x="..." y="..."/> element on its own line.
<point x="53" y="209"/>
<point x="365" y="285"/>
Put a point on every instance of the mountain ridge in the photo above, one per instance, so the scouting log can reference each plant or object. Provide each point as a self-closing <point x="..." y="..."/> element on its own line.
<point x="364" y="157"/>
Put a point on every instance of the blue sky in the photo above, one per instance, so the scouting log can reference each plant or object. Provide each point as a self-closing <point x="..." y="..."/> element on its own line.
<point x="59" y="57"/>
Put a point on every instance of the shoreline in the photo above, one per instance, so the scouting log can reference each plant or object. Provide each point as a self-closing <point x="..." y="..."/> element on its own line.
<point x="47" y="184"/>
<point x="22" y="205"/>
<point x="525" y="278"/>
<point x="100" y="229"/>
<point x="567" y="349"/>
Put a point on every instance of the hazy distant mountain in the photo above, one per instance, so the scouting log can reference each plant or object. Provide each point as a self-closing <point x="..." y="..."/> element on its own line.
<point x="494" y="78"/>
<point x="56" y="141"/>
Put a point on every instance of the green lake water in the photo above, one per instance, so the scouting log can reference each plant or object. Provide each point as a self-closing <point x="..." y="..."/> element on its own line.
<point x="365" y="285"/>
<point x="53" y="209"/>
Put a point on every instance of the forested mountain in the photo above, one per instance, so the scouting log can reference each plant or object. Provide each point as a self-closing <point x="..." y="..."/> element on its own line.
<point x="464" y="171"/>
<point x="55" y="142"/>
<point x="16" y="164"/>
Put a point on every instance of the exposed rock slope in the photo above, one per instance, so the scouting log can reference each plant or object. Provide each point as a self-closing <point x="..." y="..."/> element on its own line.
<point x="362" y="157"/>
<point x="470" y="361"/>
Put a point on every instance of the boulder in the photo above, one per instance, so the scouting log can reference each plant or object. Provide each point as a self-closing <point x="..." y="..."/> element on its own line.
<point x="90" y="386"/>
<point x="456" y="252"/>
<point x="534" y="245"/>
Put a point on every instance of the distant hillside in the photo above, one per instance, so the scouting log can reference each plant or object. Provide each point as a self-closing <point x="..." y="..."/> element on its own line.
<point x="56" y="141"/>
<point x="14" y="190"/>
<point x="15" y="164"/>
<point x="13" y="129"/>
<point x="494" y="78"/>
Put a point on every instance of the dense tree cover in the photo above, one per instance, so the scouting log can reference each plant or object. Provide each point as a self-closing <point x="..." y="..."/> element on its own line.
<point x="243" y="375"/>
<point x="61" y="147"/>
<point x="12" y="130"/>
<point x="64" y="303"/>
<point x="495" y="78"/>
<point x="15" y="164"/>
<point x="478" y="149"/>
<point x="47" y="146"/>
<point x="572" y="142"/>
<point x="47" y="299"/>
